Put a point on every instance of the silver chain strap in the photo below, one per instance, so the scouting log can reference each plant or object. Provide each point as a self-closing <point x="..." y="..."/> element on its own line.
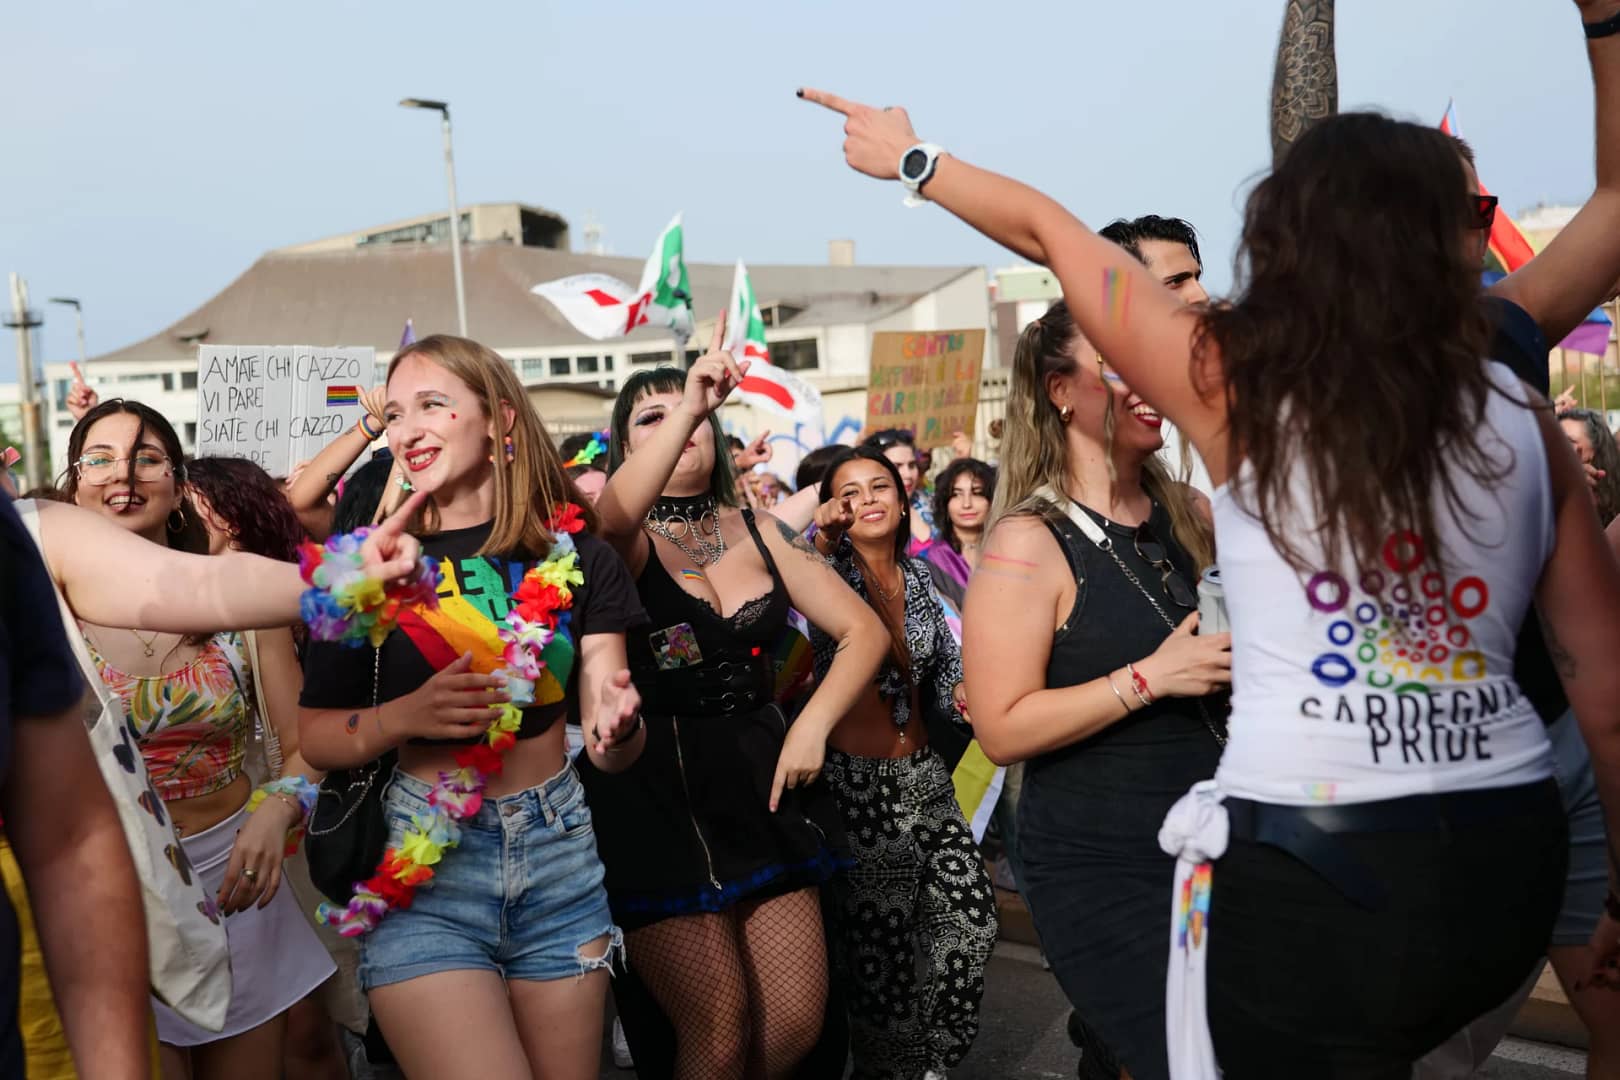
<point x="1130" y="576"/>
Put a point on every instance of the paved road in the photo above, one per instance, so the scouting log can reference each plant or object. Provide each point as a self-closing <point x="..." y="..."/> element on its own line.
<point x="1022" y="1036"/>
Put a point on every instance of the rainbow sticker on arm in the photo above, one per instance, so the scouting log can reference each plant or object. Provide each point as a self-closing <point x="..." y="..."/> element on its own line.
<point x="1116" y="293"/>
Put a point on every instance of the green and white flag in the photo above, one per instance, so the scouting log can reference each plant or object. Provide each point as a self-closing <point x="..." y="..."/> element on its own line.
<point x="600" y="306"/>
<point x="765" y="385"/>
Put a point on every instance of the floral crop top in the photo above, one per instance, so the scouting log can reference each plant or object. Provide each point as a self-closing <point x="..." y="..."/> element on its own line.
<point x="192" y="725"/>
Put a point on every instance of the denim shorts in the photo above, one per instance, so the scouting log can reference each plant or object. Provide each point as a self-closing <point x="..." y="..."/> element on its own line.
<point x="520" y="895"/>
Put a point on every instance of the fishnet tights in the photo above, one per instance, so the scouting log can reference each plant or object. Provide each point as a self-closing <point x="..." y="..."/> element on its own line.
<point x="745" y="989"/>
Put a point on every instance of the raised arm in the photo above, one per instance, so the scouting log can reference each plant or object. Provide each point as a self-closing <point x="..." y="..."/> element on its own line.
<point x="1305" y="82"/>
<point x="1579" y="268"/>
<point x="320" y="477"/>
<point x="636" y="484"/>
<point x="1143" y="328"/>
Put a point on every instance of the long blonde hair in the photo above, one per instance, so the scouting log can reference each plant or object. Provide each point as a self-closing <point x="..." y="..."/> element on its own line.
<point x="1034" y="450"/>
<point x="530" y="486"/>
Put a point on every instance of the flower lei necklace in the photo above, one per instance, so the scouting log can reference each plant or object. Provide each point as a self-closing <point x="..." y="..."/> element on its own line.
<point x="545" y="592"/>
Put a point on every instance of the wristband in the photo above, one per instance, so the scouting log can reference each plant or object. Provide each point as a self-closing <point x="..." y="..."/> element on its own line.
<point x="363" y="427"/>
<point x="1139" y="685"/>
<point x="1606" y="28"/>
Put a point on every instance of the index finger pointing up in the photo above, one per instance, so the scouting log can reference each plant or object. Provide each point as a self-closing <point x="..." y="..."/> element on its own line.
<point x="718" y="342"/>
<point x="828" y="101"/>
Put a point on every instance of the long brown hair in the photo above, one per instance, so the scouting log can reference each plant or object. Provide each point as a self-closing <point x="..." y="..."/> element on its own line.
<point x="530" y="486"/>
<point x="1034" y="450"/>
<point x="1352" y="354"/>
<point x="1605" y="459"/>
<point x="899" y="651"/>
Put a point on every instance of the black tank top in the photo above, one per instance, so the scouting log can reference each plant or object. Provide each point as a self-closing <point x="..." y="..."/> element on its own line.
<point x="1112" y="624"/>
<point x="691" y="660"/>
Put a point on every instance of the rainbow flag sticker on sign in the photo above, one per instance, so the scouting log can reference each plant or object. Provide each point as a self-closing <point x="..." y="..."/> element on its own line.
<point x="339" y="396"/>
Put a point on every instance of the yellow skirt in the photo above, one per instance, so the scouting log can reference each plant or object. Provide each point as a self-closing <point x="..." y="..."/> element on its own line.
<point x="44" y="1042"/>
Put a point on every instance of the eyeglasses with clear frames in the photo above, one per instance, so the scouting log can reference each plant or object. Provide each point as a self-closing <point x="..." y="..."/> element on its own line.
<point x="98" y="470"/>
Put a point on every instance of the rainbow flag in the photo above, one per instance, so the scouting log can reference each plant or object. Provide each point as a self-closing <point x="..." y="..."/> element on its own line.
<point x="339" y="396"/>
<point x="1508" y="246"/>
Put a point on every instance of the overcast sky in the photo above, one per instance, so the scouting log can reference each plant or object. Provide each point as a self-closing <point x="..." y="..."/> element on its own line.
<point x="153" y="151"/>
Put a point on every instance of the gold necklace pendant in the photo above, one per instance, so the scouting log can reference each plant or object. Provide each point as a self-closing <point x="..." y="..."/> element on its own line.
<point x="148" y="645"/>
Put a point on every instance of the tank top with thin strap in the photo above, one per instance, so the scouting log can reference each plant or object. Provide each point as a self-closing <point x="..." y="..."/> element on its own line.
<point x="690" y="659"/>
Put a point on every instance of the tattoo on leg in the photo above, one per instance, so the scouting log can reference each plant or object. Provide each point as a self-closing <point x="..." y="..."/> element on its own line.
<point x="1563" y="660"/>
<point x="1305" y="84"/>
<point x="352" y="724"/>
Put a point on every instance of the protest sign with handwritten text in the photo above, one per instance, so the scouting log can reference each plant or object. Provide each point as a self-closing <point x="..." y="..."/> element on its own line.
<point x="925" y="382"/>
<point x="277" y="405"/>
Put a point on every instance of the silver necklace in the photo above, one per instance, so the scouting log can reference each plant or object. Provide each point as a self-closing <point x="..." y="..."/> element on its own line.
<point x="675" y="523"/>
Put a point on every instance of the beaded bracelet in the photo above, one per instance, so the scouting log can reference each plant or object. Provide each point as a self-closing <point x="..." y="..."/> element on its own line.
<point x="297" y="788"/>
<point x="344" y="604"/>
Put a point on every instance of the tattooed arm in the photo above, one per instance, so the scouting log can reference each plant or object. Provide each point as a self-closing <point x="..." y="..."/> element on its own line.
<point x="1305" y="84"/>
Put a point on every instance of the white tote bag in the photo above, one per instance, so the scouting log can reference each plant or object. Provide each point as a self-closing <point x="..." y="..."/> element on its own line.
<point x="185" y="935"/>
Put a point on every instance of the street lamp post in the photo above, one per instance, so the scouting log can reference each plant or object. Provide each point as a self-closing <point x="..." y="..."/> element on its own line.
<point x="443" y="109"/>
<point x="78" y="319"/>
<point x="24" y="320"/>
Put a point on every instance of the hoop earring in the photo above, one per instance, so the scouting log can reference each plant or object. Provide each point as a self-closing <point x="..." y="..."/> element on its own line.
<point x="1066" y="414"/>
<point x="177" y="512"/>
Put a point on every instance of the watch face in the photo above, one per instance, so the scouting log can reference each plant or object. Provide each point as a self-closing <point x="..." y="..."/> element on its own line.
<point x="914" y="163"/>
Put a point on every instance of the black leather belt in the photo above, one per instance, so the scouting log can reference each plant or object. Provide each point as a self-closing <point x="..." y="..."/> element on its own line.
<point x="1307" y="832"/>
<point x="715" y="687"/>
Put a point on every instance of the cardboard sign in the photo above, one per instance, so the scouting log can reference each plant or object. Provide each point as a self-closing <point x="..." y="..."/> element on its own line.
<point x="925" y="382"/>
<point x="277" y="405"/>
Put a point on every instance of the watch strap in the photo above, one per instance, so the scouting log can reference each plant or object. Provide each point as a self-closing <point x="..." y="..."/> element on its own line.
<point x="1606" y="28"/>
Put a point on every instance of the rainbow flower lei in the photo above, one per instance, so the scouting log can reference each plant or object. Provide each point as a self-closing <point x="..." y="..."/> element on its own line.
<point x="344" y="604"/>
<point x="545" y="592"/>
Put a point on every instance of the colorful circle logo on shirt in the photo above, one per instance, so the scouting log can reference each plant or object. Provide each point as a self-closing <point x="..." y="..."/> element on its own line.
<point x="1404" y="628"/>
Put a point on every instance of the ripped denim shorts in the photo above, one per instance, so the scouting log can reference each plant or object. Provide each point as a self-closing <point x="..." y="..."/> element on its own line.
<point x="520" y="895"/>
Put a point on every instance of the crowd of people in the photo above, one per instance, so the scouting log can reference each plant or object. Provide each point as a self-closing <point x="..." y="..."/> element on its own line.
<point x="438" y="747"/>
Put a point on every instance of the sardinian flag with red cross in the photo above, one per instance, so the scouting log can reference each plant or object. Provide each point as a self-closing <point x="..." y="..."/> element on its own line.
<point x="601" y="306"/>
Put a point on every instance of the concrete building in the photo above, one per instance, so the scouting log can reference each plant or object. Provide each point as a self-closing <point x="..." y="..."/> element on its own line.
<point x="359" y="288"/>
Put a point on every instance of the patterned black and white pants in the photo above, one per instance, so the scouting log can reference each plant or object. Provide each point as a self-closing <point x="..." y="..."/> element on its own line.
<point x="918" y="920"/>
